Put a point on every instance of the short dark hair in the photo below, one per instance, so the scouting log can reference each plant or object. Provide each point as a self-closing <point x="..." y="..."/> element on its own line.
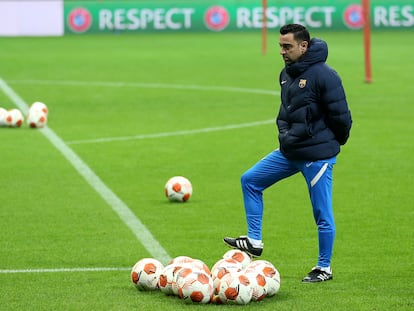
<point x="300" y="33"/>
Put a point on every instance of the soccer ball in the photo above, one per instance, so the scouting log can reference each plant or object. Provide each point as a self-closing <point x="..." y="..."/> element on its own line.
<point x="239" y="256"/>
<point x="3" y="114"/>
<point x="195" y="265"/>
<point x="146" y="273"/>
<point x="235" y="288"/>
<point x="177" y="275"/>
<point x="178" y="189"/>
<point x="36" y="118"/>
<point x="39" y="106"/>
<point x="14" y="118"/>
<point x="258" y="284"/>
<point x="270" y="273"/>
<point x="223" y="267"/>
<point x="166" y="278"/>
<point x="195" y="286"/>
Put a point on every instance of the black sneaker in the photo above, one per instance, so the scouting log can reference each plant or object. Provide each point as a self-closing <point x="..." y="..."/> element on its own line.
<point x="318" y="274"/>
<point x="242" y="243"/>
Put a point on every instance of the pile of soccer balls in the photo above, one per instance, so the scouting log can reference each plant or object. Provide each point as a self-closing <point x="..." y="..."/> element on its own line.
<point x="36" y="116"/>
<point x="233" y="279"/>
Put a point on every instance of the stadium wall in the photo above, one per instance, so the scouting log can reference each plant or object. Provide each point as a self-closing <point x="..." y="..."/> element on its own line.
<point x="31" y="18"/>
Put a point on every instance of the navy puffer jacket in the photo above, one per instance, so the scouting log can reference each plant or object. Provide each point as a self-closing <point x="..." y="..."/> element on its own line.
<point x="314" y="119"/>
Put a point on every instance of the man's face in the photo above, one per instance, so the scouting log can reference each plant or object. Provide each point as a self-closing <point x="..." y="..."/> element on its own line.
<point x="290" y="49"/>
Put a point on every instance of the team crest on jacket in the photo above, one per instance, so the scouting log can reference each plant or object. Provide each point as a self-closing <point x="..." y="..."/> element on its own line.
<point x="302" y="83"/>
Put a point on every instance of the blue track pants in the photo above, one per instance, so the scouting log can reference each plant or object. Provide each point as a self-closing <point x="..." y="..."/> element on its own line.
<point x="318" y="176"/>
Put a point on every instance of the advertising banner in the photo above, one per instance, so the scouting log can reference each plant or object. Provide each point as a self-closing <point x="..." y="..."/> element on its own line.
<point x="238" y="15"/>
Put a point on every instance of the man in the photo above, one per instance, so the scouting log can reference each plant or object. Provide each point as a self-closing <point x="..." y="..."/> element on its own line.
<point x="313" y="121"/>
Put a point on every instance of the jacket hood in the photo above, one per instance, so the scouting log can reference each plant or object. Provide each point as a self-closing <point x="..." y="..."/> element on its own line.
<point x="317" y="52"/>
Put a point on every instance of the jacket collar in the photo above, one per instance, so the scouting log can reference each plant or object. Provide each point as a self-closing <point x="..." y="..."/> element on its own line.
<point x="317" y="52"/>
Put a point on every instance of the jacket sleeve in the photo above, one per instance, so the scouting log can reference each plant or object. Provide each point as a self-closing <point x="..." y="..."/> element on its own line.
<point x="333" y="99"/>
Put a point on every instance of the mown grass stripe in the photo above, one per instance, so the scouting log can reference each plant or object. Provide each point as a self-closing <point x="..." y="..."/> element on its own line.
<point x="117" y="205"/>
<point x="148" y="85"/>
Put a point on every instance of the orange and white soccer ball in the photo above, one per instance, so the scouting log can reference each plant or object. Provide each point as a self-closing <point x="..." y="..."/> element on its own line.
<point x="258" y="283"/>
<point x="36" y="118"/>
<point x="176" y="275"/>
<point x="270" y="272"/>
<point x="168" y="278"/>
<point x="195" y="286"/>
<point x="223" y="267"/>
<point x="14" y="118"/>
<point x="178" y="189"/>
<point x="235" y="288"/>
<point x="196" y="265"/>
<point x="37" y="115"/>
<point x="145" y="274"/>
<point x="239" y="256"/>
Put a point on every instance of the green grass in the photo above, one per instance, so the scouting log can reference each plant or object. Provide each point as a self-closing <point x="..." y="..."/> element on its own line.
<point x="51" y="218"/>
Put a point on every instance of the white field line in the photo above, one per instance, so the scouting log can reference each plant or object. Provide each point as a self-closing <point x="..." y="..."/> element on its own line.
<point x="58" y="270"/>
<point x="119" y="207"/>
<point x="147" y="86"/>
<point x="169" y="134"/>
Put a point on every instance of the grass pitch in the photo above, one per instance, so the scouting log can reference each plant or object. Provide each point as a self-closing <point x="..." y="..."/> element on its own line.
<point x="138" y="109"/>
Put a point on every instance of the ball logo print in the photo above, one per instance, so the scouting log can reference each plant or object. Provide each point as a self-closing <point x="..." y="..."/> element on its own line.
<point x="79" y="20"/>
<point x="216" y="18"/>
<point x="353" y="16"/>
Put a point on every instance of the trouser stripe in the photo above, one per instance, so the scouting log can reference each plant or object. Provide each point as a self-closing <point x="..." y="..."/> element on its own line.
<point x="319" y="174"/>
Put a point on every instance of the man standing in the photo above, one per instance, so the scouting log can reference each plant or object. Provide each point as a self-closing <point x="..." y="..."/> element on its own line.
<point x="313" y="121"/>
